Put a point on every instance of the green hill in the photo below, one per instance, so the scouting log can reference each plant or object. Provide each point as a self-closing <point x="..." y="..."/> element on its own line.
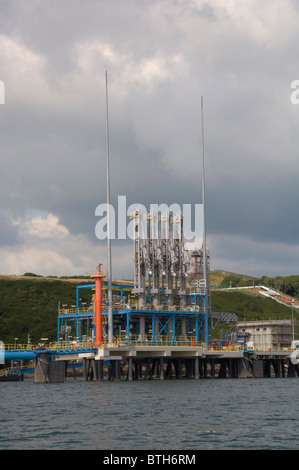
<point x="223" y="278"/>
<point x="249" y="306"/>
<point x="30" y="305"/>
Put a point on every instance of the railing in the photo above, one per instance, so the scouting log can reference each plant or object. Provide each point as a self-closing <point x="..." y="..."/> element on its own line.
<point x="15" y="371"/>
<point x="275" y="349"/>
<point x="72" y="345"/>
<point x="98" y="272"/>
<point x="119" y="306"/>
<point x="18" y="347"/>
<point x="74" y="310"/>
<point x="60" y="345"/>
<point x="150" y="341"/>
<point x="229" y="347"/>
<point x="244" y="347"/>
<point x="6" y="372"/>
<point x="138" y="340"/>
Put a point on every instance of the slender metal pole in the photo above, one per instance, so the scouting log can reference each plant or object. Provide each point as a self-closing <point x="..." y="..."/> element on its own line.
<point x="109" y="269"/>
<point x="293" y="330"/>
<point x="203" y="201"/>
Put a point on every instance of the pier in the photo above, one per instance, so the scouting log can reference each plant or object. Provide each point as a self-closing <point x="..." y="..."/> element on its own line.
<point x="189" y="363"/>
<point x="149" y="362"/>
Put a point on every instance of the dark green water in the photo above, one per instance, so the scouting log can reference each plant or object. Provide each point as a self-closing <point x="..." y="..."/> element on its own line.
<point x="151" y="415"/>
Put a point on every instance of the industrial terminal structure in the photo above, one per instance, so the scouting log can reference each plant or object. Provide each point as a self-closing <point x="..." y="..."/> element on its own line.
<point x="170" y="298"/>
<point x="156" y="326"/>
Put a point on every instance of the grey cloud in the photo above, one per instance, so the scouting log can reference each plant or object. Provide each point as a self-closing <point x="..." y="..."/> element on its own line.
<point x="9" y="234"/>
<point x="53" y="148"/>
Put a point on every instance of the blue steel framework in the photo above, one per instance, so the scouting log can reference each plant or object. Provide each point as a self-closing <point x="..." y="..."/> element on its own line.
<point x="163" y="324"/>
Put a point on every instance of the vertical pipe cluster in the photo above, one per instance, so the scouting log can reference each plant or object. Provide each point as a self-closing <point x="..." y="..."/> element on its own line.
<point x="161" y="260"/>
<point x="162" y="263"/>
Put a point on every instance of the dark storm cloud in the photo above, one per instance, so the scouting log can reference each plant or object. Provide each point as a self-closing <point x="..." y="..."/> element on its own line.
<point x="161" y="57"/>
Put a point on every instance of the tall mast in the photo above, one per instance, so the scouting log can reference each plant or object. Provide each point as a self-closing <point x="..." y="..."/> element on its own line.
<point x="109" y="269"/>
<point x="204" y="250"/>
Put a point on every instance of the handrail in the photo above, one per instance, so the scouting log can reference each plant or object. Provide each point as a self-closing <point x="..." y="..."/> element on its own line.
<point x="11" y="370"/>
<point x="74" y="310"/>
<point x="98" y="272"/>
<point x="4" y="371"/>
<point x="18" y="347"/>
<point x="138" y="340"/>
<point x="275" y="349"/>
<point x="122" y="305"/>
<point x="64" y="345"/>
<point x="150" y="341"/>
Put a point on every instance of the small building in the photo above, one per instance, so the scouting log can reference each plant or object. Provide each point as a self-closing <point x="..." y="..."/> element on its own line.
<point x="266" y="334"/>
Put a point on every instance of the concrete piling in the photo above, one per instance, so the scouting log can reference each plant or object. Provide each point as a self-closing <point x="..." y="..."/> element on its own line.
<point x="49" y="371"/>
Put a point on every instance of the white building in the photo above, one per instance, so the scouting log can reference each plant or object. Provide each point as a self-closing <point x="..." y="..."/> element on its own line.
<point x="267" y="334"/>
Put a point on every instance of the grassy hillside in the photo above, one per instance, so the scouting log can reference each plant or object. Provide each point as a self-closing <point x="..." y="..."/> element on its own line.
<point x="218" y="277"/>
<point x="30" y="305"/>
<point x="288" y="285"/>
<point x="249" y="306"/>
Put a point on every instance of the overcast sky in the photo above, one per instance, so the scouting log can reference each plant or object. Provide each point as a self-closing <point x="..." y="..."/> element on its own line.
<point x="161" y="57"/>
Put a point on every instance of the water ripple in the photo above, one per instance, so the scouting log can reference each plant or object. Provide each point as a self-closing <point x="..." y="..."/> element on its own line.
<point x="185" y="414"/>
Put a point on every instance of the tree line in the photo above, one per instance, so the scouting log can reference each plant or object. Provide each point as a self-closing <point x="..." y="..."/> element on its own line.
<point x="288" y="285"/>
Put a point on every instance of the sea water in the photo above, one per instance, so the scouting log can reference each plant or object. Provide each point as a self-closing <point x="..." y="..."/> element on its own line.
<point x="205" y="414"/>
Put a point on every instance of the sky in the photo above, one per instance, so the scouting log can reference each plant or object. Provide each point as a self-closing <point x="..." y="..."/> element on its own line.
<point x="161" y="57"/>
